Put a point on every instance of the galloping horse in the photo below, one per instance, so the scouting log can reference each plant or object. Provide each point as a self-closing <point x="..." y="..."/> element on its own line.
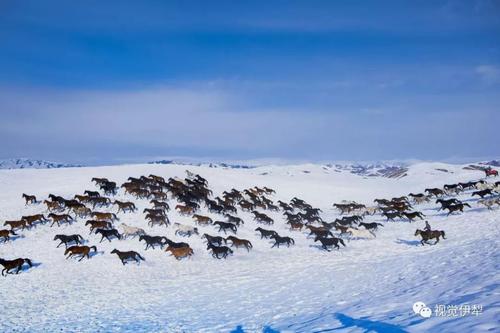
<point x="12" y="264"/>
<point x="429" y="234"/>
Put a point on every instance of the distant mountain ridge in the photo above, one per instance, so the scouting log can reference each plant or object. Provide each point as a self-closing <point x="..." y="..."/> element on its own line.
<point x="26" y="163"/>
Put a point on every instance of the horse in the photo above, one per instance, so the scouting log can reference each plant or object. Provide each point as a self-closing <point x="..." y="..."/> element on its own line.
<point x="30" y="199"/>
<point x="444" y="203"/>
<point x="489" y="203"/>
<point x="456" y="208"/>
<point x="223" y="226"/>
<point x="434" y="191"/>
<point x="360" y="233"/>
<point x="318" y="231"/>
<point x="157" y="219"/>
<point x="52" y="206"/>
<point x="155" y="211"/>
<point x="126" y="255"/>
<point x="266" y="233"/>
<point x="92" y="194"/>
<point x="429" y="234"/>
<point x="184" y="210"/>
<point x="108" y="233"/>
<point x="153" y="240"/>
<point x="131" y="231"/>
<point x="234" y="219"/>
<point x="391" y="215"/>
<point x="180" y="252"/>
<point x="216" y="240"/>
<point x="56" y="218"/>
<point x="98" y="224"/>
<point x="282" y="240"/>
<point x="185" y="230"/>
<point x="13" y="264"/>
<point x="202" y="220"/>
<point x="224" y="251"/>
<point x="237" y="242"/>
<point x="65" y="239"/>
<point x="16" y="224"/>
<point x="296" y="226"/>
<point x="160" y="205"/>
<point x="5" y="233"/>
<point x="176" y="245"/>
<point x="125" y="206"/>
<point x="482" y="193"/>
<point x="369" y="226"/>
<point x="412" y="215"/>
<point x="326" y="242"/>
<point x="81" y="250"/>
<point x="105" y="216"/>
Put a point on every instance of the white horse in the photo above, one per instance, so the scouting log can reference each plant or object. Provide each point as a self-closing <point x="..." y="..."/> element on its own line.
<point x="131" y="231"/>
<point x="489" y="203"/>
<point x="485" y="186"/>
<point x="185" y="230"/>
<point x="369" y="210"/>
<point x="360" y="233"/>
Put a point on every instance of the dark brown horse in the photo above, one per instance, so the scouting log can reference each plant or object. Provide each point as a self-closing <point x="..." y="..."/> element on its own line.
<point x="30" y="199"/>
<point x="16" y="224"/>
<point x="429" y="234"/>
<point x="13" y="264"/>
<point x="237" y="242"/>
<point x="5" y="233"/>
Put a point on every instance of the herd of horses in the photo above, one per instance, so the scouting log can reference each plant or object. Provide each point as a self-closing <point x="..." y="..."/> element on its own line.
<point x="192" y="195"/>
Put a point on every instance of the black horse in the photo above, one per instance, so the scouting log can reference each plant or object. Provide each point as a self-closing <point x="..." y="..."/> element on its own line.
<point x="482" y="193"/>
<point x="108" y="234"/>
<point x="282" y="240"/>
<point x="153" y="240"/>
<point x="223" y="226"/>
<point x="126" y="255"/>
<point x="219" y="252"/>
<point x="66" y="239"/>
<point x="176" y="245"/>
<point x="326" y="242"/>
<point x="13" y="264"/>
<point x="215" y="240"/>
<point x="266" y="233"/>
<point x="455" y="208"/>
<point x="369" y="226"/>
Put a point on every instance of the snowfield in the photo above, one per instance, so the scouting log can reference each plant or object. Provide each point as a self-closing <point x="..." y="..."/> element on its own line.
<point x="368" y="286"/>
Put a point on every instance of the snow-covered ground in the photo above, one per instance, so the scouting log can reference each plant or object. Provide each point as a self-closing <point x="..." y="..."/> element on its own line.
<point x="370" y="285"/>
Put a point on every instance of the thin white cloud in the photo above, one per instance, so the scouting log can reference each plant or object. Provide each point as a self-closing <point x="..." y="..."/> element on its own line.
<point x="488" y="73"/>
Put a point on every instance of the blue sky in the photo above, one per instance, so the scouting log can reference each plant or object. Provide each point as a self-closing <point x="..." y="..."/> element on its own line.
<point x="97" y="82"/>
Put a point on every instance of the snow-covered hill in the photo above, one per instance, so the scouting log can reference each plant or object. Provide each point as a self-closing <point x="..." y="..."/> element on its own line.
<point x="26" y="163"/>
<point x="370" y="285"/>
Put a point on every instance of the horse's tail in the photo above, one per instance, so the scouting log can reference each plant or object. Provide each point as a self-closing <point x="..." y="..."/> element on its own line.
<point x="341" y="241"/>
<point x="114" y="216"/>
<point x="66" y="252"/>
<point x="442" y="234"/>
<point x="93" y="247"/>
<point x="141" y="257"/>
<point x="28" y="261"/>
<point x="380" y="224"/>
<point x="79" y="237"/>
<point x="293" y="242"/>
